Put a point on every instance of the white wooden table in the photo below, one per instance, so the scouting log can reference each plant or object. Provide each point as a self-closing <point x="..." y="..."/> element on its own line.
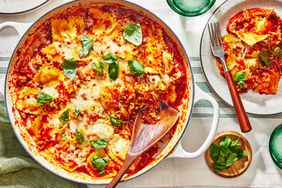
<point x="180" y="172"/>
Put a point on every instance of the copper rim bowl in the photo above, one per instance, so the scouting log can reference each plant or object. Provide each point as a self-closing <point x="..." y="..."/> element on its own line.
<point x="170" y="149"/>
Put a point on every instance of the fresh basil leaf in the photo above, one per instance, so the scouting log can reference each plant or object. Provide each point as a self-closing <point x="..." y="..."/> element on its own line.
<point x="64" y="118"/>
<point x="110" y="56"/>
<point x="87" y="44"/>
<point x="225" y="142"/>
<point x="241" y="153"/>
<point x="221" y="158"/>
<point x="231" y="159"/>
<point x="98" y="68"/>
<point x="133" y="33"/>
<point x="218" y="167"/>
<point x="264" y="56"/>
<point x="214" y="152"/>
<point x="100" y="163"/>
<point x="135" y="68"/>
<point x="228" y="152"/>
<point x="77" y="111"/>
<point x="116" y="121"/>
<point x="43" y="98"/>
<point x="240" y="78"/>
<point x="113" y="71"/>
<point x="99" y="144"/>
<point x="70" y="68"/>
<point x="79" y="136"/>
<point x="235" y="144"/>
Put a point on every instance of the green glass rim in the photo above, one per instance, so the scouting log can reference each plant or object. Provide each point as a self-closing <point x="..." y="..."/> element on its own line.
<point x="277" y="130"/>
<point x="176" y="9"/>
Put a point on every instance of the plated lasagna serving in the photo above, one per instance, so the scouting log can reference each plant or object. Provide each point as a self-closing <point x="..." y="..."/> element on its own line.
<point x="82" y="77"/>
<point x="253" y="50"/>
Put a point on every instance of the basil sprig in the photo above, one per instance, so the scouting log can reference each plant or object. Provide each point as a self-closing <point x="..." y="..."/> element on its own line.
<point x="43" y="98"/>
<point x="79" y="136"/>
<point x="133" y="33"/>
<point x="116" y="121"/>
<point x="226" y="153"/>
<point x="100" y="163"/>
<point x="70" y="68"/>
<point x="99" y="144"/>
<point x="240" y="79"/>
<point x="87" y="44"/>
<point x="135" y="68"/>
<point x="64" y="118"/>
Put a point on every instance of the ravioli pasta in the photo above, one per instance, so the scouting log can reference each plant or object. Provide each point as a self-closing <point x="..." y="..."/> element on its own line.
<point x="253" y="50"/>
<point x="79" y="85"/>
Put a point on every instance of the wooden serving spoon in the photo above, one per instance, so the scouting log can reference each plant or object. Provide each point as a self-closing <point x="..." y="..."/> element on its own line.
<point x="144" y="136"/>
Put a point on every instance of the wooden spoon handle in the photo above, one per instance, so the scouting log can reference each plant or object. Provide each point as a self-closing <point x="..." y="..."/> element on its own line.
<point x="129" y="160"/>
<point x="239" y="108"/>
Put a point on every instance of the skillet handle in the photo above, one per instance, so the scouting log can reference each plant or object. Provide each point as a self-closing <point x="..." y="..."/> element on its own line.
<point x="179" y="151"/>
<point x="21" y="29"/>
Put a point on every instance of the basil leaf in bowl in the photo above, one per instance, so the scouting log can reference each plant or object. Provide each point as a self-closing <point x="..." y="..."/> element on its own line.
<point x="226" y="153"/>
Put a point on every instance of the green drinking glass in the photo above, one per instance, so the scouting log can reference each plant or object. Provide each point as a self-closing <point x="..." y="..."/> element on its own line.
<point x="275" y="146"/>
<point x="190" y="8"/>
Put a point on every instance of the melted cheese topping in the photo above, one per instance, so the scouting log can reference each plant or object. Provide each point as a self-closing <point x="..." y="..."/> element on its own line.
<point x="78" y="111"/>
<point x="101" y="130"/>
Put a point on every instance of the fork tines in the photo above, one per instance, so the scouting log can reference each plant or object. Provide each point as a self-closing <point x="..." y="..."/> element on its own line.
<point x="215" y="35"/>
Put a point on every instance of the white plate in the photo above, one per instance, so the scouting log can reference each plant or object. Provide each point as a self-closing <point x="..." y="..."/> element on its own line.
<point x="253" y="102"/>
<point x="19" y="6"/>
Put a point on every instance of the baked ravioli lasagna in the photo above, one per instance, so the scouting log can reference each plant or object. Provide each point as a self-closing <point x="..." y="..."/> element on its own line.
<point x="81" y="78"/>
<point x="253" y="50"/>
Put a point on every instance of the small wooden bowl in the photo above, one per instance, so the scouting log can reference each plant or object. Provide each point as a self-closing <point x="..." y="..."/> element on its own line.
<point x="239" y="166"/>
